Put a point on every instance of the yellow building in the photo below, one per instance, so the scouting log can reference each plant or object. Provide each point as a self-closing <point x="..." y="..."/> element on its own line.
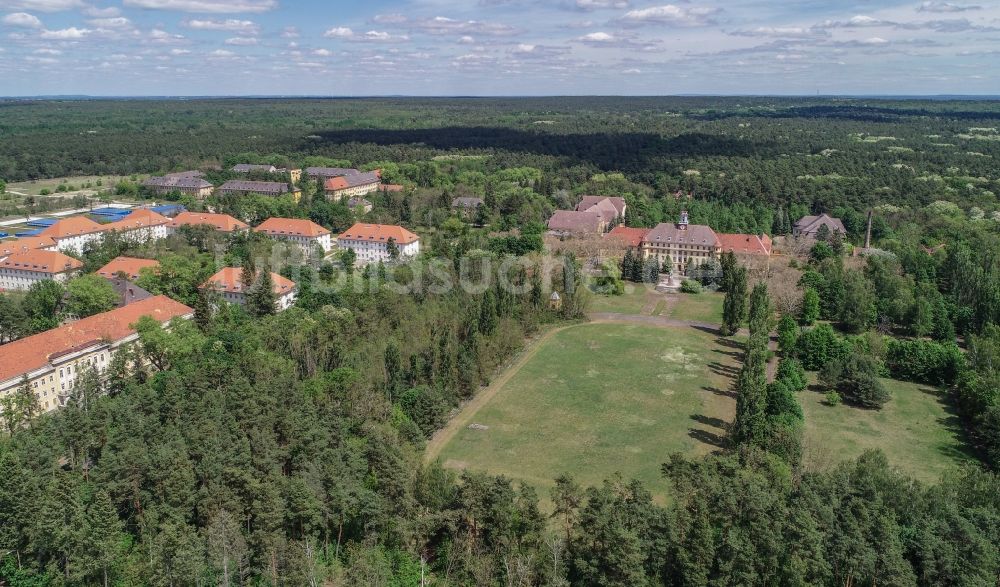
<point x="50" y="362"/>
<point x="681" y="245"/>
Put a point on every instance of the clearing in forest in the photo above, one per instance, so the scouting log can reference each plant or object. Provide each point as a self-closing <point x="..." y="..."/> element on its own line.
<point x="601" y="398"/>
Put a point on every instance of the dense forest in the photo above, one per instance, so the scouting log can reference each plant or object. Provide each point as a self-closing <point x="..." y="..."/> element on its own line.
<point x="251" y="448"/>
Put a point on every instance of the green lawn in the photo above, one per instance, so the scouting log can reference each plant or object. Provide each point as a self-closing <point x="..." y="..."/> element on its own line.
<point x="603" y="398"/>
<point x="914" y="429"/>
<point x="34" y="188"/>
<point x="702" y="307"/>
<point x="631" y="302"/>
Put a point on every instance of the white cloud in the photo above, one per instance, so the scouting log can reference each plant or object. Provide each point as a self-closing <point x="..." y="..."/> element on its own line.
<point x="394" y="18"/>
<point x="932" y="6"/>
<point x="600" y="4"/>
<point x="41" y="5"/>
<point x="632" y="71"/>
<point x="72" y="33"/>
<point x="161" y="36"/>
<point x="221" y="53"/>
<point x="42" y="60"/>
<point x="117" y="22"/>
<point x="442" y="25"/>
<point x="340" y="32"/>
<point x="241" y="41"/>
<point x="382" y="37"/>
<point x="874" y="41"/>
<point x="205" y="6"/>
<point x="323" y="52"/>
<point x="466" y="40"/>
<point x="780" y="32"/>
<point x="244" y="27"/>
<point x="598" y="37"/>
<point x="96" y="12"/>
<point x="180" y="52"/>
<point x="22" y="19"/>
<point x="290" y="32"/>
<point x="47" y="51"/>
<point x="670" y="14"/>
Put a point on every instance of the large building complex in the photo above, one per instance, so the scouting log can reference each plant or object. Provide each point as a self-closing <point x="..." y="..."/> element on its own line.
<point x="239" y="187"/>
<point x="593" y="215"/>
<point x="680" y="245"/>
<point x="305" y="233"/>
<point x="23" y="269"/>
<point x="191" y="183"/>
<point x="370" y="242"/>
<point x="352" y="185"/>
<point x="228" y="283"/>
<point x="50" y="362"/>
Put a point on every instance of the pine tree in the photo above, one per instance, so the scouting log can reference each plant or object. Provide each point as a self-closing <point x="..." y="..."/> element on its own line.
<point x="260" y="299"/>
<point x="735" y="303"/>
<point x="751" y="384"/>
<point x="393" y="369"/>
<point x="202" y="310"/>
<point x="810" y="307"/>
<point x="488" y="313"/>
<point x="105" y="533"/>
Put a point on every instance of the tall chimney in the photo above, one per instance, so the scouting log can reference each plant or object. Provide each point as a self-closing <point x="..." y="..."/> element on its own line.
<point x="868" y="233"/>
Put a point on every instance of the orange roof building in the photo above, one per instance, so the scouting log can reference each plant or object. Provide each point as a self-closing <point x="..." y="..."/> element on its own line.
<point x="25" y="244"/>
<point x="129" y="266"/>
<point x="745" y="244"/>
<point x="25" y="268"/>
<point x="228" y="282"/>
<point x="51" y="361"/>
<point x="629" y="236"/>
<point x="70" y="227"/>
<point x="221" y="222"/>
<point x="300" y="231"/>
<point x="370" y="242"/>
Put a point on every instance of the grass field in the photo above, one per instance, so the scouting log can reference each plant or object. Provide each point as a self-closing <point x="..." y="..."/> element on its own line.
<point x="914" y="429"/>
<point x="702" y="307"/>
<point x="34" y="188"/>
<point x="631" y="302"/>
<point x="603" y="398"/>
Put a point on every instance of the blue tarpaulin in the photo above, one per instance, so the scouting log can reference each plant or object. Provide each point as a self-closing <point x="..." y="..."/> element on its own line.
<point x="35" y="232"/>
<point x="41" y="222"/>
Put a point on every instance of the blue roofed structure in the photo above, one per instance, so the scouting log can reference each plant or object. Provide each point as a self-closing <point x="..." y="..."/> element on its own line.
<point x="35" y="232"/>
<point x="41" y="222"/>
<point x="168" y="210"/>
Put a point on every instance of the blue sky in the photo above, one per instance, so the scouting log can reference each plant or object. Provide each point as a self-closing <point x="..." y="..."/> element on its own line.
<point x="498" y="47"/>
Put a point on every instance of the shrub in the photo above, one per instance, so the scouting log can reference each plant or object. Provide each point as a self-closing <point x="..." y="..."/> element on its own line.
<point x="690" y="286"/>
<point x="818" y="346"/>
<point x="924" y="361"/>
<point x="788" y="334"/>
<point x="832" y="398"/>
<point x="856" y="379"/>
<point x="792" y="373"/>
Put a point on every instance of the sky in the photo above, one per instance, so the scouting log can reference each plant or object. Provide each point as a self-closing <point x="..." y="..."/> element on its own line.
<point x="498" y="47"/>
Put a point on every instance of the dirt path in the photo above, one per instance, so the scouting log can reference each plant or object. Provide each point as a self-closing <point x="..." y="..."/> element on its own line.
<point x="464" y="417"/>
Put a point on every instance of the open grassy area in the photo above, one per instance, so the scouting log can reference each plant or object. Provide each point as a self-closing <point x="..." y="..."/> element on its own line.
<point x="914" y="429"/>
<point x="702" y="307"/>
<point x="34" y="188"/>
<point x="596" y="399"/>
<point x="636" y="296"/>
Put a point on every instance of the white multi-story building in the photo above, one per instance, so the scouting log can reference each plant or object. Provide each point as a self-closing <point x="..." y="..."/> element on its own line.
<point x="228" y="283"/>
<point x="352" y="185"/>
<point x="73" y="234"/>
<point x="51" y="361"/>
<point x="305" y="233"/>
<point x="370" y="242"/>
<point x="20" y="270"/>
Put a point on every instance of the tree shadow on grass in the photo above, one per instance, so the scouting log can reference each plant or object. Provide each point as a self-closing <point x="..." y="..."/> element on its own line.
<point x="710" y="421"/>
<point x="727" y="371"/>
<point x="706" y="437"/>
<point x="713" y="330"/>
<point x="720" y="392"/>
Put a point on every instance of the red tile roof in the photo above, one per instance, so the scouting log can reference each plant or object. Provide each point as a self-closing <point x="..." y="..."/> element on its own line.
<point x="137" y="219"/>
<point x="72" y="226"/>
<point x="379" y="233"/>
<point x="631" y="237"/>
<point x="130" y="266"/>
<point x="230" y="279"/>
<point x="32" y="352"/>
<point x="25" y="244"/>
<point x="291" y="227"/>
<point x="221" y="222"/>
<point x="746" y="244"/>
<point x="39" y="261"/>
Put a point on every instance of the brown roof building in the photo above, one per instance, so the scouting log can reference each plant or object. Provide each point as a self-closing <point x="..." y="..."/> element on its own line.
<point x="128" y="266"/>
<point x="220" y="222"/>
<point x="745" y="244"/>
<point x="681" y="245"/>
<point x="810" y="225"/>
